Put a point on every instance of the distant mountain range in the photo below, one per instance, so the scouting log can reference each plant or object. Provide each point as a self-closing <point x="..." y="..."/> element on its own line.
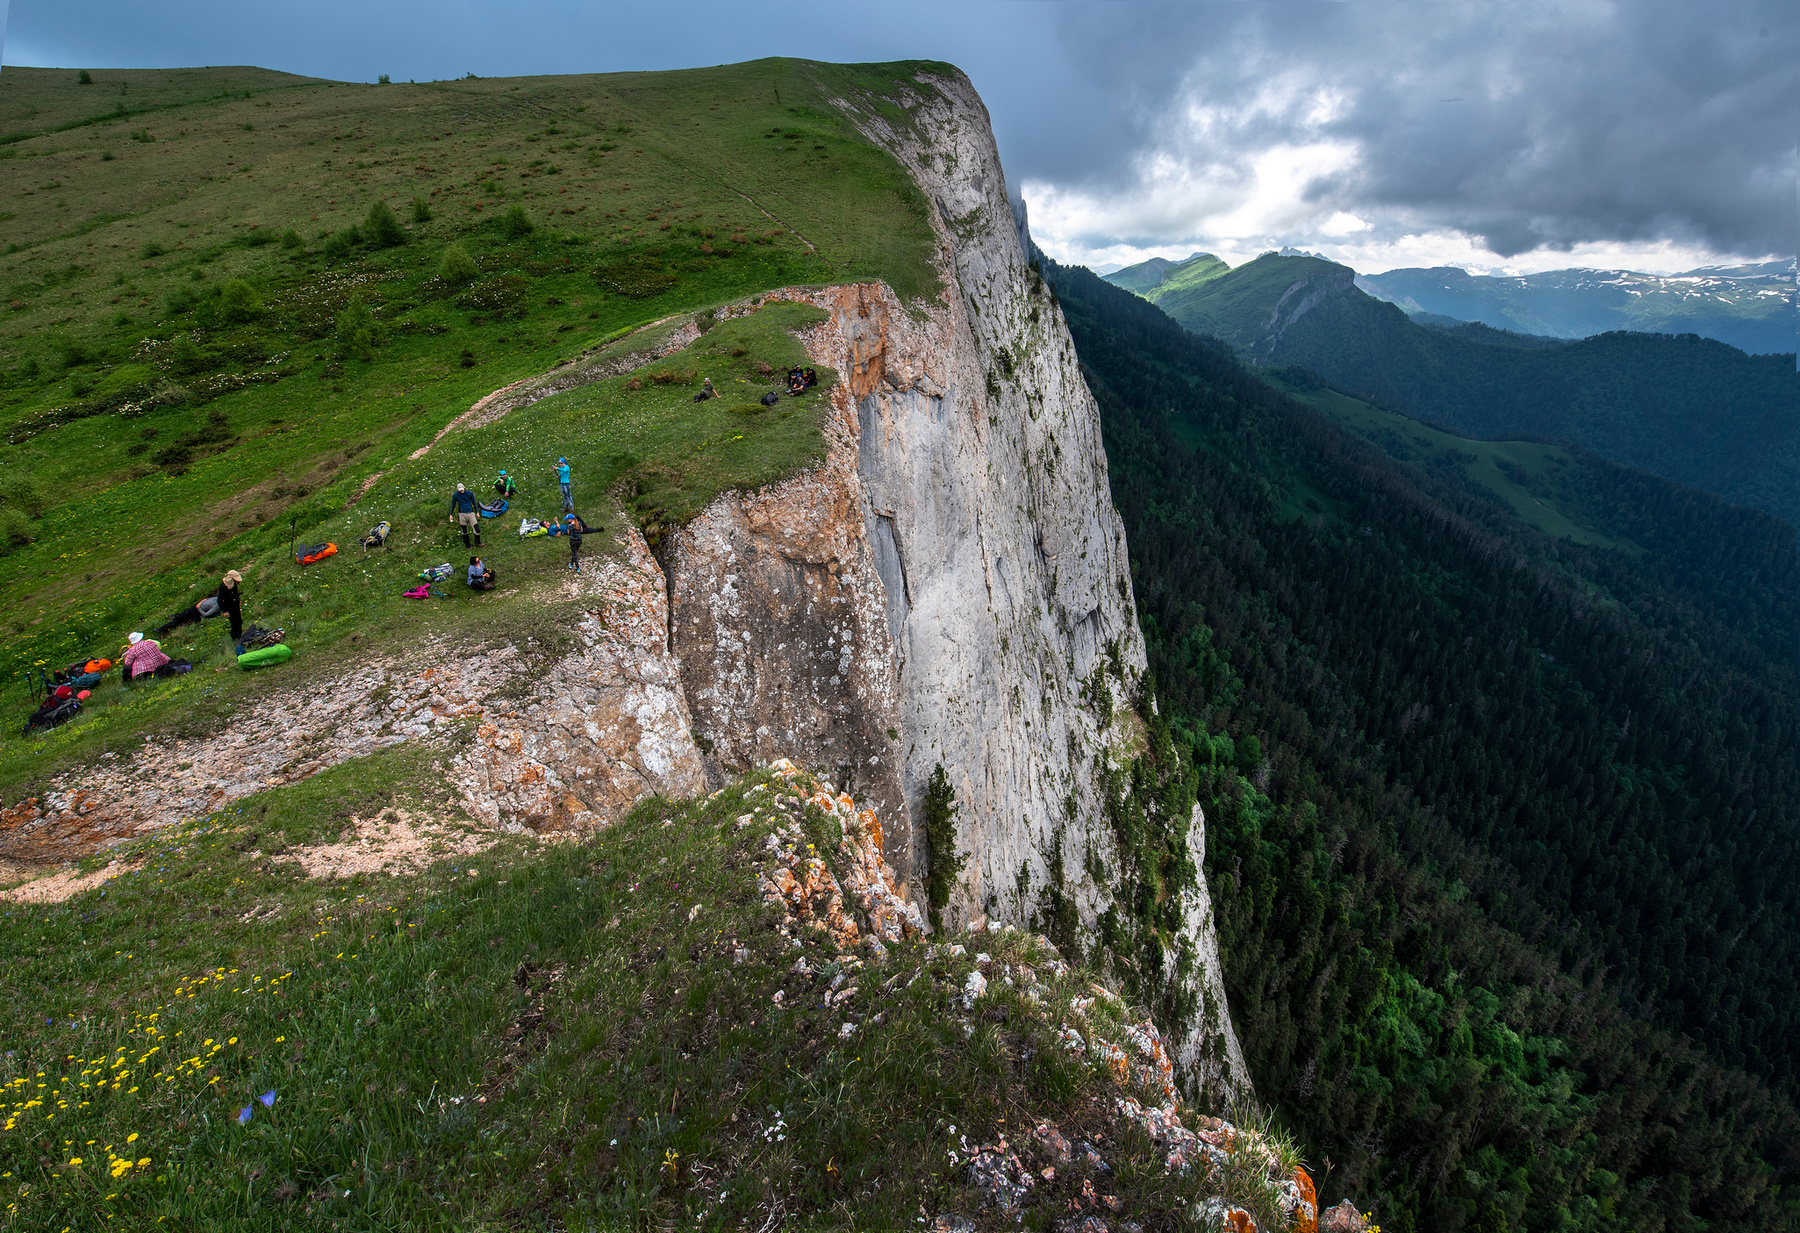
<point x="1694" y="410"/>
<point x="1752" y="307"/>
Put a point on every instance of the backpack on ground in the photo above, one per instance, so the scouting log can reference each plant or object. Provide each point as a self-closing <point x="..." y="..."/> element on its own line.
<point x="308" y="553"/>
<point x="437" y="573"/>
<point x="530" y="526"/>
<point x="770" y="399"/>
<point x="492" y="509"/>
<point x="256" y="638"/>
<point x="377" y="536"/>
<point x="53" y="712"/>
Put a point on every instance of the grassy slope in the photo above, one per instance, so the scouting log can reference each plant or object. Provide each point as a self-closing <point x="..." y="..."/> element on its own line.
<point x="572" y="1036"/>
<point x="1498" y="466"/>
<point x="117" y="263"/>
<point x="1157" y="280"/>
<point x="1235" y="305"/>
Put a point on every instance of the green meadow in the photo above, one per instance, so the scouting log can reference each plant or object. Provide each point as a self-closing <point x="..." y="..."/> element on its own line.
<point x="610" y="1034"/>
<point x="234" y="303"/>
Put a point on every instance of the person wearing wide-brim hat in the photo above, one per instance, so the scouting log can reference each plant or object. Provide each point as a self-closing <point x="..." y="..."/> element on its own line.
<point x="231" y="601"/>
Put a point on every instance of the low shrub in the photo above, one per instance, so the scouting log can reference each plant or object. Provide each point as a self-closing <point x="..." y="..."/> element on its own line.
<point x="456" y="267"/>
<point x="515" y="224"/>
<point x="239" y="304"/>
<point x="381" y="229"/>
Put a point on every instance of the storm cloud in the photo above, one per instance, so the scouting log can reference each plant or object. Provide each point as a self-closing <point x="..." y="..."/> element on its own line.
<point x="1384" y="134"/>
<point x="1521" y="128"/>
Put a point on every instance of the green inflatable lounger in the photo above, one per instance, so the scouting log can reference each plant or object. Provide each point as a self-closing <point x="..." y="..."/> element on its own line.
<point x="266" y="657"/>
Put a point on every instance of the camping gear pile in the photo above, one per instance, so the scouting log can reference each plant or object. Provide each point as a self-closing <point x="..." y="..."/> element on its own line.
<point x="263" y="648"/>
<point x="529" y="527"/>
<point x="59" y="708"/>
<point x="437" y="573"/>
<point x="377" y="536"/>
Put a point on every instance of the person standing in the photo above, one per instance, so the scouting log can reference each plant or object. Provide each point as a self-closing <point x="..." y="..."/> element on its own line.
<point x="562" y="477"/>
<point x="231" y="601"/>
<point x="462" y="511"/>
<point x="574" y="528"/>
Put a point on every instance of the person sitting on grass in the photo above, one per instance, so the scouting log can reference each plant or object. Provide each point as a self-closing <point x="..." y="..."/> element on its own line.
<point x="812" y="378"/>
<point x="143" y="657"/>
<point x="505" y="487"/>
<point x="480" y="576"/>
<point x="796" y="383"/>
<point x="706" y="390"/>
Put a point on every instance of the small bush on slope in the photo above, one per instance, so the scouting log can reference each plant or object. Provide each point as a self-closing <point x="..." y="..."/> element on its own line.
<point x="607" y="1033"/>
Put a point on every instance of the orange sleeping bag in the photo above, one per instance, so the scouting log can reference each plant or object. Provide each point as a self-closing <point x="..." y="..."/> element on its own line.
<point x="315" y="552"/>
<point x="97" y="665"/>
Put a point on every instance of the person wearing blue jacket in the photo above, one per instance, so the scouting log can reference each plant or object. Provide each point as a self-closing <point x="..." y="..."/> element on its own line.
<point x="562" y="477"/>
<point x="462" y="510"/>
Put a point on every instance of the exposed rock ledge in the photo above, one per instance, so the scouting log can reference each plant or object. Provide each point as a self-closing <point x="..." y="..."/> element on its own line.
<point x="589" y="735"/>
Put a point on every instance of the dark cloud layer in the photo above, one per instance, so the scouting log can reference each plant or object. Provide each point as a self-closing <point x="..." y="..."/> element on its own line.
<point x="1529" y="125"/>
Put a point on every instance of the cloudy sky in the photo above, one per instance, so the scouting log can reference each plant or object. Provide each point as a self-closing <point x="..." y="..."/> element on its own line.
<point x="1644" y="134"/>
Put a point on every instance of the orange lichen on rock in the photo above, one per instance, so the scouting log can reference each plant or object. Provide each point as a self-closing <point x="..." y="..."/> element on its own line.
<point x="1306" y="1215"/>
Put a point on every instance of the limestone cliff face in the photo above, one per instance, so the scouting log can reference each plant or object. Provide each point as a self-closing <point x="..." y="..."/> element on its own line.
<point x="951" y="587"/>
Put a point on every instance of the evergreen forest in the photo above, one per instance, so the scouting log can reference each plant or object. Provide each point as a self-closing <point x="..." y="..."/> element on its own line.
<point x="1501" y="828"/>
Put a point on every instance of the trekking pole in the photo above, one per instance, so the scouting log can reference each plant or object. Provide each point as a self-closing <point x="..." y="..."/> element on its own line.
<point x="292" y="523"/>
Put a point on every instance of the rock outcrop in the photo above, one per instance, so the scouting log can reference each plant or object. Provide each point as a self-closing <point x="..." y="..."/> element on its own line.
<point x="951" y="587"/>
<point x="570" y="743"/>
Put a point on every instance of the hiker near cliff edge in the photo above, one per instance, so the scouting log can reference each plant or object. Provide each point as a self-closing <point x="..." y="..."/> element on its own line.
<point x="575" y="528"/>
<point x="462" y="511"/>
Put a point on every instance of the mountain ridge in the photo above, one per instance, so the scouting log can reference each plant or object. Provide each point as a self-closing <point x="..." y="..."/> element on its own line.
<point x="1692" y="409"/>
<point x="1750" y="307"/>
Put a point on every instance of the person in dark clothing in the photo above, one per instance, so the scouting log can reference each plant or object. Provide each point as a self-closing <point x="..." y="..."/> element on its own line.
<point x="505" y="487"/>
<point x="575" y="528"/>
<point x="480" y="576"/>
<point x="812" y="378"/>
<point x="231" y="601"/>
<point x="193" y="614"/>
<point x="463" y="512"/>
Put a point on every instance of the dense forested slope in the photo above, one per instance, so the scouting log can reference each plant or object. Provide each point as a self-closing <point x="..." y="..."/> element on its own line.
<point x="1683" y="407"/>
<point x="1502" y="829"/>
